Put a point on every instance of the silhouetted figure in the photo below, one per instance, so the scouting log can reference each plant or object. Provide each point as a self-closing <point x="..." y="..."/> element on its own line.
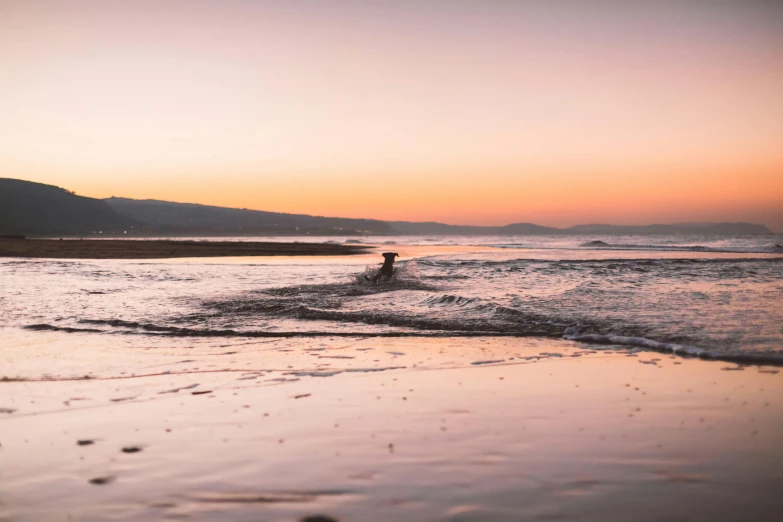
<point x="387" y="270"/>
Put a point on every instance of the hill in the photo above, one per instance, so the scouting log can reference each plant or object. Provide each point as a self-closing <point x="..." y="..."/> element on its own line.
<point x="431" y="228"/>
<point x="709" y="229"/>
<point x="36" y="209"/>
<point x="45" y="210"/>
<point x="189" y="219"/>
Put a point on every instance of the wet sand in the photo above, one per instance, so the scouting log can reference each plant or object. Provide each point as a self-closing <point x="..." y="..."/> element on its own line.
<point x="163" y="249"/>
<point x="97" y="427"/>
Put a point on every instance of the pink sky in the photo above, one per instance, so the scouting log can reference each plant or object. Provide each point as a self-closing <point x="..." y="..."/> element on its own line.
<point x="457" y="111"/>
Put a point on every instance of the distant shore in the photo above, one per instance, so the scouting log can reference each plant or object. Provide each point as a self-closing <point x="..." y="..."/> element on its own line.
<point x="162" y="249"/>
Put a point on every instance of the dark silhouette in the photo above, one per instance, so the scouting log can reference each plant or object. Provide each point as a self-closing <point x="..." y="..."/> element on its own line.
<point x="35" y="209"/>
<point x="387" y="270"/>
<point x="439" y="229"/>
<point x="187" y="219"/>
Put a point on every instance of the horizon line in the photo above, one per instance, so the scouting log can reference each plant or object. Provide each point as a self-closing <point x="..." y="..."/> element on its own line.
<point x="605" y="224"/>
<point x="679" y="223"/>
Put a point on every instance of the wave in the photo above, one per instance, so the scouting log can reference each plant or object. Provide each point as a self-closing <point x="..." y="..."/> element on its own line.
<point x="43" y="327"/>
<point x="482" y="319"/>
<point x="592" y="305"/>
<point x="664" y="248"/>
<point x="173" y="331"/>
<point x="771" y="248"/>
<point x="447" y="314"/>
<point x="596" y="245"/>
<point x="680" y="248"/>
<point x="112" y="322"/>
<point x="565" y="264"/>
<point x="431" y="330"/>
<point x="451" y="300"/>
<point x="679" y="349"/>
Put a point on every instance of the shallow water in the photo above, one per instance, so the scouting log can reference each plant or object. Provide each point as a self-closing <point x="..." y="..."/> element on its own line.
<point x="715" y="296"/>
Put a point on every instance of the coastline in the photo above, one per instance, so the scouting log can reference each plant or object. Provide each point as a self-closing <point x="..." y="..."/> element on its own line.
<point x="164" y="249"/>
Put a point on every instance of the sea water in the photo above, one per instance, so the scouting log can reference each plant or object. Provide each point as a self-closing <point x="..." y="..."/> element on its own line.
<point x="696" y="295"/>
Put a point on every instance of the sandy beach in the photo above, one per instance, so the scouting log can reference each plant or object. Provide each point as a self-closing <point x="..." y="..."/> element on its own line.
<point x="164" y="249"/>
<point x="351" y="430"/>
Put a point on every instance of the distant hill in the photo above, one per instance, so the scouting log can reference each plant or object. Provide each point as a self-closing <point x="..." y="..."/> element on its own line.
<point x="191" y="219"/>
<point x="737" y="229"/>
<point x="36" y="209"/>
<point x="45" y="210"/>
<point x="167" y="218"/>
<point x="431" y="228"/>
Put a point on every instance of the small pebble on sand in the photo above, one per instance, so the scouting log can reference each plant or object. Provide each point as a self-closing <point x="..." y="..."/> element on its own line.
<point x="100" y="481"/>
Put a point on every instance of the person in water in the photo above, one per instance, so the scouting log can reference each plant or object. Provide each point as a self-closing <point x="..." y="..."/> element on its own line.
<point x="387" y="270"/>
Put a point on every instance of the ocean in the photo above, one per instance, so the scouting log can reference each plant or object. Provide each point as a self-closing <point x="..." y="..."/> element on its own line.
<point x="705" y="296"/>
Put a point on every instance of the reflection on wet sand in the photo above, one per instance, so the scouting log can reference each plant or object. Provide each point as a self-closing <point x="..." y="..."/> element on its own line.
<point x="392" y="429"/>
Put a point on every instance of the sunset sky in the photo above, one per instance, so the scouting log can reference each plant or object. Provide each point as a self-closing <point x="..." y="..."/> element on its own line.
<point x="466" y="112"/>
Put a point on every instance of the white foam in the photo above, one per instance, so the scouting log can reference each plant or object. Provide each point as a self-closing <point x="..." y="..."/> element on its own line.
<point x="677" y="349"/>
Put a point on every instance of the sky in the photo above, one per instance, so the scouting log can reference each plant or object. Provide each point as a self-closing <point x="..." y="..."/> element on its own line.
<point x="465" y="112"/>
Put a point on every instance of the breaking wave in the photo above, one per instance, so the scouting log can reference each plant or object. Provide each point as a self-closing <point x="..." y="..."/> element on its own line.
<point x="761" y="249"/>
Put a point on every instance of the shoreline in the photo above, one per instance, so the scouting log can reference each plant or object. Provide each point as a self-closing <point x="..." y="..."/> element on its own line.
<point x="165" y="249"/>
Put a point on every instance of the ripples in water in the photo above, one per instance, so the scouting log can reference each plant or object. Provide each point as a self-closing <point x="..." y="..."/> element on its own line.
<point x="705" y="306"/>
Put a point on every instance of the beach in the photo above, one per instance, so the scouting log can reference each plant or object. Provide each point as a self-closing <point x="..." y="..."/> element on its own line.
<point x="292" y="389"/>
<point x="479" y="429"/>
<point x="163" y="249"/>
<point x="394" y="261"/>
